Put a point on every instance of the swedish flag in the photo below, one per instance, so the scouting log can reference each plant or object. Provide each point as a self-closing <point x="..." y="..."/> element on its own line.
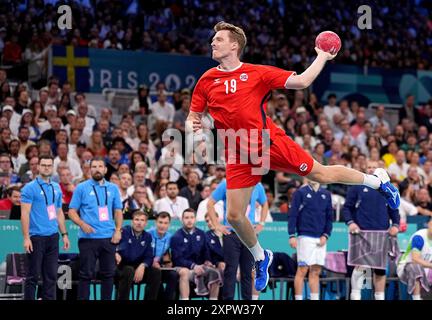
<point x="72" y="64"/>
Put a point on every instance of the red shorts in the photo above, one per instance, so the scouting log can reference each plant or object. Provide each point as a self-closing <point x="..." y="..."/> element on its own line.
<point x="285" y="155"/>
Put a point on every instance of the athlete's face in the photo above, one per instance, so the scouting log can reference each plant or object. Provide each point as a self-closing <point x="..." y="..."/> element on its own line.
<point x="223" y="46"/>
<point x="189" y="220"/>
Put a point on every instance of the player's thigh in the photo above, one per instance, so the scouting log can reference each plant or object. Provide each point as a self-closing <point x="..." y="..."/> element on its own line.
<point x="287" y="156"/>
<point x="238" y="200"/>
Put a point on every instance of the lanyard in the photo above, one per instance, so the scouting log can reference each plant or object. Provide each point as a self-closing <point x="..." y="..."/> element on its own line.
<point x="97" y="198"/>
<point x="45" y="196"/>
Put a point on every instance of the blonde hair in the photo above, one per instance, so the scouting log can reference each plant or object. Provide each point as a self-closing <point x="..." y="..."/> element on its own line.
<point x="235" y="33"/>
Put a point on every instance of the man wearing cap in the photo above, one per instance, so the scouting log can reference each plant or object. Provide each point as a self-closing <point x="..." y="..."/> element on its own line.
<point x="70" y="117"/>
<point x="41" y="218"/>
<point x="100" y="220"/>
<point x="13" y="117"/>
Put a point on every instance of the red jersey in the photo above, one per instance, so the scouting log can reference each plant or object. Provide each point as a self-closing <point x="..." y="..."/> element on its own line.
<point x="237" y="99"/>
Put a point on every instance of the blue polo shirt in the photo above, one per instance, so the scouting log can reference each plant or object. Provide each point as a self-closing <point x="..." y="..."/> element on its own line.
<point x="160" y="245"/>
<point x="40" y="195"/>
<point x="258" y="195"/>
<point x="85" y="200"/>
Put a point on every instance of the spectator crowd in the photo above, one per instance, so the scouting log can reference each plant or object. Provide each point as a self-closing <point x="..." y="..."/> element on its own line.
<point x="279" y="32"/>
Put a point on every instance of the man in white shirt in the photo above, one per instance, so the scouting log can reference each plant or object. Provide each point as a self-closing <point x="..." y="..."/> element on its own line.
<point x="162" y="113"/>
<point x="83" y="113"/>
<point x="202" y="207"/>
<point x="399" y="170"/>
<point x="62" y="155"/>
<point x="17" y="158"/>
<point x="172" y="203"/>
<point x="378" y="119"/>
<point x="331" y="109"/>
<point x="13" y="118"/>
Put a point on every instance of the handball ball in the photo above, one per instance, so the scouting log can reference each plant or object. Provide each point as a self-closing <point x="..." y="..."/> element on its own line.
<point x="328" y="41"/>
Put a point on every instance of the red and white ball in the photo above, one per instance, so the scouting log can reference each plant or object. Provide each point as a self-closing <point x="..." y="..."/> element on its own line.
<point x="328" y="41"/>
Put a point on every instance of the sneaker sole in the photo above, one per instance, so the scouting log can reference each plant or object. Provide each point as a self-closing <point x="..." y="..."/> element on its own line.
<point x="270" y="253"/>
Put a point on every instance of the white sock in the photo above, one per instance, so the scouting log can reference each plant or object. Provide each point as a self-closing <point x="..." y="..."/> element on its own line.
<point x="314" y="296"/>
<point x="416" y="297"/>
<point x="355" y="295"/>
<point x="213" y="298"/>
<point x="255" y="297"/>
<point x="257" y="252"/>
<point x="298" y="297"/>
<point x="371" y="181"/>
<point x="379" y="296"/>
<point x="184" y="298"/>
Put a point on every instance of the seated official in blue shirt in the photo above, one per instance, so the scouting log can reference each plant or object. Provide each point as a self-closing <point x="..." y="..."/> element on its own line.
<point x="162" y="258"/>
<point x="190" y="254"/>
<point x="100" y="220"/>
<point x="41" y="218"/>
<point x="134" y="259"/>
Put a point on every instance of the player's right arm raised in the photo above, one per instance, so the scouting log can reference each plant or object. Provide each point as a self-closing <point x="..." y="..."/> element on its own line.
<point x="306" y="78"/>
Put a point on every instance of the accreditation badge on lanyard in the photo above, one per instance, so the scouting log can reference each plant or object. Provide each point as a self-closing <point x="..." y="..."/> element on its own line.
<point x="51" y="209"/>
<point x="102" y="210"/>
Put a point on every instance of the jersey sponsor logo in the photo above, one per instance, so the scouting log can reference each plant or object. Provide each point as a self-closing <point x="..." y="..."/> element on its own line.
<point x="303" y="167"/>
<point x="244" y="77"/>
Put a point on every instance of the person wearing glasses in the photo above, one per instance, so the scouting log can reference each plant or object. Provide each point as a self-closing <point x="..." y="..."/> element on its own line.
<point x="41" y="218"/>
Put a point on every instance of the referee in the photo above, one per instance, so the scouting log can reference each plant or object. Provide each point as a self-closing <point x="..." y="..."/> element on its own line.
<point x="100" y="219"/>
<point x="41" y="217"/>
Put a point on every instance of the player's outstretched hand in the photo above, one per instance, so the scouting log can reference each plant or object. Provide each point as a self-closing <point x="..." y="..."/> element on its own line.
<point x="327" y="55"/>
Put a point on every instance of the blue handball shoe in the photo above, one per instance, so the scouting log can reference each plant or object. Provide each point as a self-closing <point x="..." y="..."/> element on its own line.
<point x="261" y="271"/>
<point x="387" y="189"/>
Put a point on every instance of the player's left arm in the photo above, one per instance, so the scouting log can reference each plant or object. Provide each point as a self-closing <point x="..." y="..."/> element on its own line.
<point x="197" y="107"/>
<point x="306" y="78"/>
<point x="193" y="122"/>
